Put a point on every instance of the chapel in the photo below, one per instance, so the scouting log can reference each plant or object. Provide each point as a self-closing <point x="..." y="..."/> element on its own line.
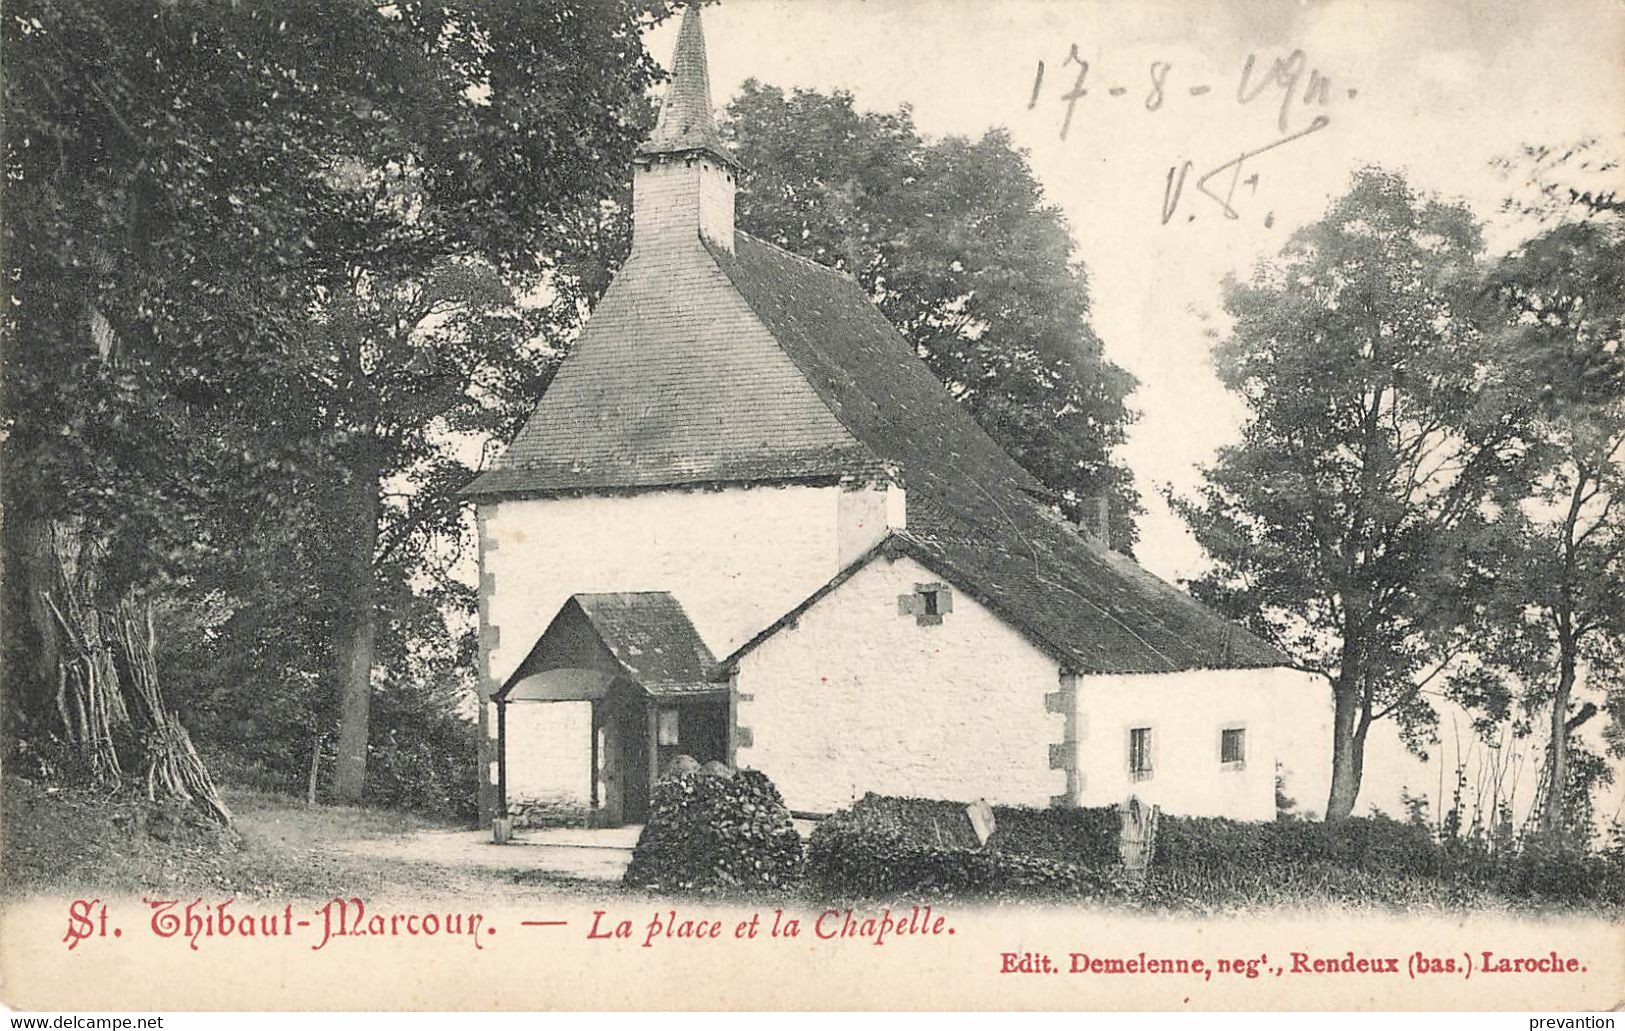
<point x="745" y="523"/>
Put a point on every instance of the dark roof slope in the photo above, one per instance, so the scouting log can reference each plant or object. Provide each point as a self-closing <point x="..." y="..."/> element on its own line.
<point x="641" y="636"/>
<point x="674" y="381"/>
<point x="652" y="639"/>
<point x="971" y="513"/>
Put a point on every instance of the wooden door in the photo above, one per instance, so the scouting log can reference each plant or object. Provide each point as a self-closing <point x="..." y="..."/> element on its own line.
<point x="626" y="761"/>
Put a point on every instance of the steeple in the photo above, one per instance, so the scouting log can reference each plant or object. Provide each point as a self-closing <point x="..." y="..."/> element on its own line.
<point x="684" y="181"/>
<point x="686" y="123"/>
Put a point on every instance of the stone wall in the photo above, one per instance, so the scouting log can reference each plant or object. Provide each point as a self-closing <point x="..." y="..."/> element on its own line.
<point x="859" y="696"/>
<point x="1284" y="714"/>
<point x="735" y="558"/>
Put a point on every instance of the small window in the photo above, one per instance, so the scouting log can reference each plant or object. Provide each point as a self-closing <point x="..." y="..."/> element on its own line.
<point x="927" y="604"/>
<point x="1232" y="746"/>
<point x="666" y="727"/>
<point x="1139" y="753"/>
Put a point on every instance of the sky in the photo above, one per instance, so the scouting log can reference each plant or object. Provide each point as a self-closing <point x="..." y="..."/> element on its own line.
<point x="1304" y="93"/>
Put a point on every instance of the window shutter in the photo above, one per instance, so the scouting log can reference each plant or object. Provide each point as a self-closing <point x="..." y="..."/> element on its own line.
<point x="945" y="600"/>
<point x="906" y="604"/>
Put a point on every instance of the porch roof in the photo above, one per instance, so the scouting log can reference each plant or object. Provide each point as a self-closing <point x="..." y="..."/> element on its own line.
<point x="642" y="637"/>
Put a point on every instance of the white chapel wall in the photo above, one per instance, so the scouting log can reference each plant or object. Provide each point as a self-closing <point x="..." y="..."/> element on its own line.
<point x="736" y="559"/>
<point x="549" y="752"/>
<point x="1285" y="715"/>
<point x="856" y="697"/>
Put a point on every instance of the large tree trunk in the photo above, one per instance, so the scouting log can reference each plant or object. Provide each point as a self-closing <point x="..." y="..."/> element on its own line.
<point x="1557" y="766"/>
<point x="355" y="653"/>
<point x="1348" y="727"/>
<point x="30" y="684"/>
<point x="1346" y="746"/>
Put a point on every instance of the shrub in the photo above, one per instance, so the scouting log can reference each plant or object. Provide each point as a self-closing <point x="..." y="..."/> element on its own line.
<point x="887" y="846"/>
<point x="707" y="833"/>
<point x="421" y="755"/>
<point x="1368" y="861"/>
<point x="1311" y="883"/>
<point x="1375" y="844"/>
<point x="1542" y="869"/>
<point x="1560" y="872"/>
<point x="1086" y="837"/>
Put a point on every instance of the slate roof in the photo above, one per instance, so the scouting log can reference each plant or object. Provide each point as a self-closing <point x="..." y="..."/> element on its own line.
<point x="648" y="635"/>
<point x="672" y="386"/>
<point x="702" y="365"/>
<point x="972" y="515"/>
<point x="674" y="381"/>
<point x="652" y="638"/>
<point x="685" y="123"/>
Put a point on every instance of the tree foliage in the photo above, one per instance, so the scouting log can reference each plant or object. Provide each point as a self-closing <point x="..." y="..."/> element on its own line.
<point x="1375" y="432"/>
<point x="263" y="265"/>
<point x="955" y="243"/>
<point x="1551" y="563"/>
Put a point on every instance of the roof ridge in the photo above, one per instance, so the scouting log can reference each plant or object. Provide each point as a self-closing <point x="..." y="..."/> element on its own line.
<point x="831" y="269"/>
<point x="609" y="594"/>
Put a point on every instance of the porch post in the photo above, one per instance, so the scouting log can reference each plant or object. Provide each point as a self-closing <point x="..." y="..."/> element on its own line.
<point x="652" y="729"/>
<point x="502" y="757"/>
<point x="733" y="718"/>
<point x="592" y="781"/>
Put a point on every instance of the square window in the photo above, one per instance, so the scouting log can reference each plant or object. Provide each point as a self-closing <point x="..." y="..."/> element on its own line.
<point x="666" y="727"/>
<point x="1232" y="745"/>
<point x="927" y="604"/>
<point x="1139" y="753"/>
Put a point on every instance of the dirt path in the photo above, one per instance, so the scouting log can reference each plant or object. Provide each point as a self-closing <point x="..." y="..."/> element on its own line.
<point x="560" y="853"/>
<point x="68" y="842"/>
<point x="328" y="850"/>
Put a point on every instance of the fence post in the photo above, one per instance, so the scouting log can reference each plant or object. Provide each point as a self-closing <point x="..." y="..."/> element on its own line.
<point x="1136" y="841"/>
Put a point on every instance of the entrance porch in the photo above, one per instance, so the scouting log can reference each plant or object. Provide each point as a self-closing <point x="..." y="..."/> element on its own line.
<point x="637" y="660"/>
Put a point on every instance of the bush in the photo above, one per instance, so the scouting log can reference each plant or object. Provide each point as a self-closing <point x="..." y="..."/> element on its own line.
<point x="421" y="756"/>
<point x="1086" y="837"/>
<point x="1373" y="845"/>
<point x="888" y="846"/>
<point x="1539" y="869"/>
<point x="1311" y="884"/>
<point x="707" y="833"/>
<point x="1562" y="872"/>
<point x="1368" y="861"/>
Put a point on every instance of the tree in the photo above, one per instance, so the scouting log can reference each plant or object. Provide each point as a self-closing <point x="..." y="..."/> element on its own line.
<point x="1373" y="436"/>
<point x="301" y="229"/>
<point x="955" y="243"/>
<point x="1557" y="546"/>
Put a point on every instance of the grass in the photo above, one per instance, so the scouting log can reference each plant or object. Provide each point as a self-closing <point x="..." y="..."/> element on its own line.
<point x="1313" y="885"/>
<point x="60" y="841"/>
<point x="55" y="841"/>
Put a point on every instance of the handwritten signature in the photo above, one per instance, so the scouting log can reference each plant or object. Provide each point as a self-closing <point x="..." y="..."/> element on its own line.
<point x="1288" y="82"/>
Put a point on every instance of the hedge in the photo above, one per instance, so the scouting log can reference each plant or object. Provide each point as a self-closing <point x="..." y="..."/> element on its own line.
<point x="716" y="830"/>
<point x="1540" y="868"/>
<point x="884" y="846"/>
<point x="1375" y="844"/>
<point x="1367" y="861"/>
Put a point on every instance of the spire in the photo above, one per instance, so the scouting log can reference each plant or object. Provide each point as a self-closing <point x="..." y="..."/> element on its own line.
<point x="685" y="123"/>
<point x="683" y="179"/>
